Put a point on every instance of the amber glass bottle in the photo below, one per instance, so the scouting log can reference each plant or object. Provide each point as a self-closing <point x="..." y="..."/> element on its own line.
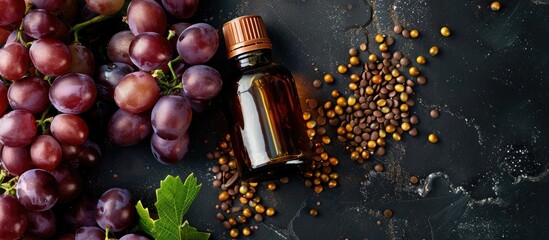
<point x="265" y="118"/>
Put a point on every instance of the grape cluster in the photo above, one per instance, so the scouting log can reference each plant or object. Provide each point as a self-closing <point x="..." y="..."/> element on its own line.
<point x="153" y="70"/>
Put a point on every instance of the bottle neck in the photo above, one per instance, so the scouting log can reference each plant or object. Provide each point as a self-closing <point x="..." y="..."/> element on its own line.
<point x="252" y="59"/>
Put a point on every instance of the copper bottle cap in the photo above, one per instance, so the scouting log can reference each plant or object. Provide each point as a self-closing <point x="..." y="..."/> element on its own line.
<point x="245" y="34"/>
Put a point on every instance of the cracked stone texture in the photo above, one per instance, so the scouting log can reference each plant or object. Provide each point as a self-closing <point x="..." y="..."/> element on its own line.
<point x="485" y="179"/>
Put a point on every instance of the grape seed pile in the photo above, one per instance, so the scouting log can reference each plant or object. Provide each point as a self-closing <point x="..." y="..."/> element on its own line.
<point x="55" y="77"/>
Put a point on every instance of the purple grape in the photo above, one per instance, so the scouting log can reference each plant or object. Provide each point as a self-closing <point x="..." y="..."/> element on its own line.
<point x="41" y="224"/>
<point x="69" y="129"/>
<point x="169" y="151"/>
<point x="202" y="82"/>
<point x="12" y="11"/>
<point x="133" y="236"/>
<point x="171" y="117"/>
<point x="150" y="51"/>
<point x="37" y="190"/>
<point x="198" y="43"/>
<point x="17" y="128"/>
<point x="137" y="92"/>
<point x="69" y="183"/>
<point x="82" y="59"/>
<point x="109" y="75"/>
<point x="50" y="56"/>
<point x="115" y="210"/>
<point x="73" y="93"/>
<point x="127" y="129"/>
<point x="118" y="49"/>
<point x="146" y="16"/>
<point x="89" y="233"/>
<point x="66" y="236"/>
<point x="81" y="213"/>
<point x="16" y="160"/>
<point x="39" y="23"/>
<point x="45" y="152"/>
<point x="90" y="154"/>
<point x="14" y="61"/>
<point x="29" y="94"/>
<point x="13" y="220"/>
<point x="181" y="9"/>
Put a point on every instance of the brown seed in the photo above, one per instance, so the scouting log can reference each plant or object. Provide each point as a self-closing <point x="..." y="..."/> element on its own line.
<point x="389" y="40"/>
<point x="313" y="212"/>
<point x="220" y="216"/>
<point x="226" y="225"/>
<point x="414" y="119"/>
<point x="223" y="196"/>
<point x="434" y="113"/>
<point x="398" y="29"/>
<point x="328" y="78"/>
<point x="258" y="217"/>
<point x="388" y="213"/>
<point x="398" y="55"/>
<point x="413" y="132"/>
<point x="378" y="168"/>
<point x="421" y="80"/>
<point x="414" y="179"/>
<point x="404" y="62"/>
<point x="353" y="52"/>
<point x="317" y="83"/>
<point x="406" y="33"/>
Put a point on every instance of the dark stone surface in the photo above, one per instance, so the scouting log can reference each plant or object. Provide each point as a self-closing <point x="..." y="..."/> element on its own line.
<point x="485" y="179"/>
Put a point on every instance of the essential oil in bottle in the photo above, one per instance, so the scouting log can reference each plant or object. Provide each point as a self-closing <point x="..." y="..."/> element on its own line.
<point x="265" y="119"/>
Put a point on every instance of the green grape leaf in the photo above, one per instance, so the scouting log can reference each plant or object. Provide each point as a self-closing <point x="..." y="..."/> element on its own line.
<point x="188" y="232"/>
<point x="173" y="200"/>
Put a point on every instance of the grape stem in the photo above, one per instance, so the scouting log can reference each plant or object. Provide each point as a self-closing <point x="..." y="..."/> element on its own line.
<point x="19" y="36"/>
<point x="82" y="25"/>
<point x="9" y="186"/>
<point x="43" y="121"/>
<point x="170" y="65"/>
<point x="171" y="34"/>
<point x="107" y="233"/>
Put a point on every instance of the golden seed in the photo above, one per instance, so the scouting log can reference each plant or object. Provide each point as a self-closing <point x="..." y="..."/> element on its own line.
<point x="335" y="93"/>
<point x="318" y="189"/>
<point x="382" y="133"/>
<point x="399" y="88"/>
<point x="380" y="142"/>
<point x="414" y="33"/>
<point x="433" y="138"/>
<point x="333" y="161"/>
<point x="379" y="38"/>
<point x="395" y="72"/>
<point x="324" y="156"/>
<point x="445" y="31"/>
<point x="311" y="124"/>
<point x="369" y="90"/>
<point x="249" y="195"/>
<point x="342" y="69"/>
<point x="353" y="86"/>
<point x="385" y="109"/>
<point x="234" y="233"/>
<point x="317" y="181"/>
<point x="405" y="126"/>
<point x="403" y="96"/>
<point x="383" y="47"/>
<point x="338" y="110"/>
<point x="495" y="6"/>
<point x="365" y="154"/>
<point x="223" y="196"/>
<point x="246" y="231"/>
<point x="396" y="136"/>
<point x="243" y="200"/>
<point x="247" y="212"/>
<point x="341" y="131"/>
<point x="354" y="155"/>
<point x="372" y="144"/>
<point x="433" y="50"/>
<point x="372" y="58"/>
<point x="259" y="208"/>
<point x="332" y="184"/>
<point x="253" y="184"/>
<point x="232" y="164"/>
<point x="351" y="101"/>
<point x="354" y="77"/>
<point x="270" y="211"/>
<point x="223" y="145"/>
<point x="413" y="71"/>
<point x="313" y="212"/>
<point x="232" y="221"/>
<point x="271" y="186"/>
<point x="306" y="116"/>
<point x="324" y="177"/>
<point x="328" y="78"/>
<point x="243" y="189"/>
<point x="334" y="175"/>
<point x="404" y="107"/>
<point x="421" y="60"/>
<point x="376" y="79"/>
<point x="222" y="160"/>
<point x="390" y="129"/>
<point x="341" y="101"/>
<point x="354" y="60"/>
<point x="326" y="140"/>
<point x="388" y="77"/>
<point x="311" y="133"/>
<point x="381" y="102"/>
<point x="327" y="105"/>
<point x="257" y="199"/>
<point x="330" y="114"/>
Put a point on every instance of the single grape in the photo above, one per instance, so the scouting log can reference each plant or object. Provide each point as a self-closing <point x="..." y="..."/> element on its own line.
<point x="70" y="154"/>
<point x="89" y="233"/>
<point x="39" y="23"/>
<point x="169" y="151"/>
<point x="115" y="210"/>
<point x="171" y="116"/>
<point x="146" y="16"/>
<point x="14" y="61"/>
<point x="105" y="7"/>
<point x="50" y="57"/>
<point x="178" y="28"/>
<point x="69" y="10"/>
<point x="73" y="93"/>
<point x="81" y="213"/>
<point x="17" y="128"/>
<point x="12" y="11"/>
<point x="4" y="35"/>
<point x="127" y="129"/>
<point x="181" y="9"/>
<point x="69" y="129"/>
<point x="137" y="92"/>
<point x="16" y="160"/>
<point x="41" y="224"/>
<point x="150" y="51"/>
<point x="118" y="49"/>
<point x="133" y="236"/>
<point x="45" y="152"/>
<point x="69" y="183"/>
<point x="82" y="60"/>
<point x="13" y="220"/>
<point x="37" y="190"/>
<point x="30" y="93"/>
<point x="89" y="155"/>
<point x="50" y="5"/>
<point x="198" y="43"/>
<point x="109" y="75"/>
<point x="201" y="82"/>
<point x="3" y="99"/>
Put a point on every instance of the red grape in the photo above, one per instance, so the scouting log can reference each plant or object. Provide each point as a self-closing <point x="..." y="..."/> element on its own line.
<point x="17" y="128"/>
<point x="50" y="56"/>
<point x="45" y="152"/>
<point x="105" y="7"/>
<point x="137" y="92"/>
<point x="13" y="37"/>
<point x="118" y="49"/>
<point x="150" y="51"/>
<point x="82" y="60"/>
<point x="69" y="129"/>
<point x="146" y="16"/>
<point x="14" y="61"/>
<point x="126" y="129"/>
<point x="13" y="220"/>
<point x="181" y="9"/>
<point x="16" y="160"/>
<point x="89" y="233"/>
<point x="115" y="210"/>
<point x="198" y="43"/>
<point x="39" y="23"/>
<point x="171" y="116"/>
<point x="73" y="93"/>
<point x="133" y="236"/>
<point x="66" y="236"/>
<point x="202" y="82"/>
<point x="50" y="5"/>
<point x="109" y="76"/>
<point x="81" y="213"/>
<point x="69" y="10"/>
<point x="41" y="224"/>
<point x="29" y="94"/>
<point x="3" y="99"/>
<point x="89" y="155"/>
<point x="169" y="151"/>
<point x="37" y="190"/>
<point x="12" y="11"/>
<point x="69" y="183"/>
